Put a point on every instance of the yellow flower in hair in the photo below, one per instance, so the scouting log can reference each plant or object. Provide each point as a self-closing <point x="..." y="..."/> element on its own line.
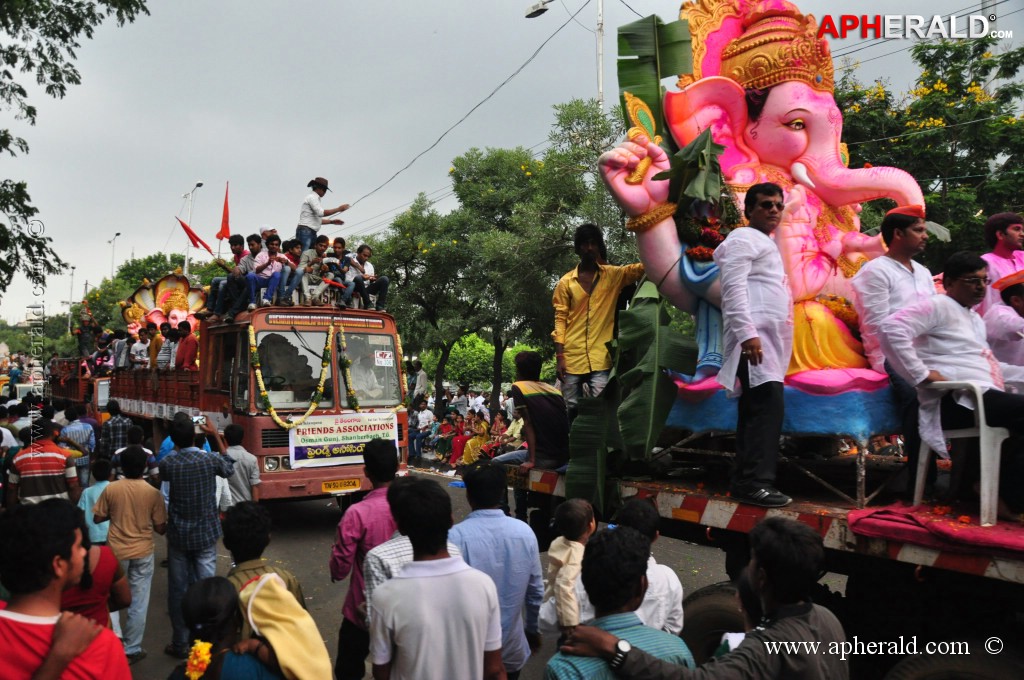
<point x="198" y="660"/>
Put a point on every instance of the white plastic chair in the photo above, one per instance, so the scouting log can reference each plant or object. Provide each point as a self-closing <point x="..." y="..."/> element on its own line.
<point x="990" y="441"/>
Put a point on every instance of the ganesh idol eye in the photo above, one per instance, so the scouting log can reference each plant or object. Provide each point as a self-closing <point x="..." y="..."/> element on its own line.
<point x="797" y="124"/>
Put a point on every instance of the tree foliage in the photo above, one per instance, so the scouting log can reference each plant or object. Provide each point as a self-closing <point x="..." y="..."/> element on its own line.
<point x="488" y="267"/>
<point x="958" y="132"/>
<point x="39" y="39"/>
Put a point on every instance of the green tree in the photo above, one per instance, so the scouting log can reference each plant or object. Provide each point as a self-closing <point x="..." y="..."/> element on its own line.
<point x="489" y="266"/>
<point x="958" y="132"/>
<point x="469" y="361"/>
<point x="426" y="255"/>
<point x="40" y="38"/>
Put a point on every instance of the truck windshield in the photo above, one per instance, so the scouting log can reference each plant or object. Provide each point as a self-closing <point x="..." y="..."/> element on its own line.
<point x="290" y="362"/>
<point x="374" y="372"/>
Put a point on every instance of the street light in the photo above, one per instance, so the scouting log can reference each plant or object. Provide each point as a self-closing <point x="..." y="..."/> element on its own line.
<point x="536" y="9"/>
<point x="71" y="297"/>
<point x="190" y="195"/>
<point x="111" y="242"/>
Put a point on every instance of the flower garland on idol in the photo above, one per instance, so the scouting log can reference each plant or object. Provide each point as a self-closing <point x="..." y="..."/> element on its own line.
<point x="318" y="393"/>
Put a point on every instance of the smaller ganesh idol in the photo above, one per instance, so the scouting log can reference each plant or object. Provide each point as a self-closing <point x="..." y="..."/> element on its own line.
<point x="171" y="299"/>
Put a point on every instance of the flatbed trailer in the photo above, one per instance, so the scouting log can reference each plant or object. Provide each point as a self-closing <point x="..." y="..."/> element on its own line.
<point x="895" y="589"/>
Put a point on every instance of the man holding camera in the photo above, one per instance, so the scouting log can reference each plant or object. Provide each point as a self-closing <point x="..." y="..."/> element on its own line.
<point x="193" y="521"/>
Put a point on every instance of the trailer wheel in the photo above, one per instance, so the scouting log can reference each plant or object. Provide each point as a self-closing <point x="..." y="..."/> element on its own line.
<point x="976" y="666"/>
<point x="707" y="614"/>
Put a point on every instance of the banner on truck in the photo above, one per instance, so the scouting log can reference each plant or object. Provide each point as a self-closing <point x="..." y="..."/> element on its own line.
<point x="338" y="440"/>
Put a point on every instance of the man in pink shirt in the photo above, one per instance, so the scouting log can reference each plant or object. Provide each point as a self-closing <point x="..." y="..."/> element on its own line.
<point x="267" y="272"/>
<point x="1004" y="234"/>
<point x="364" y="526"/>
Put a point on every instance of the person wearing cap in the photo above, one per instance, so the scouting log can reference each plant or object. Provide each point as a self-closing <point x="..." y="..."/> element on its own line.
<point x="757" y="311"/>
<point x="886" y="285"/>
<point x="312" y="213"/>
<point x="1004" y="234"/>
<point x="1004" y="323"/>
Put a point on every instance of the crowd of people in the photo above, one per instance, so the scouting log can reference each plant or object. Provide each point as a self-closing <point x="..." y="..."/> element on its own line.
<point x="266" y="270"/>
<point x="426" y="599"/>
<point x="916" y="335"/>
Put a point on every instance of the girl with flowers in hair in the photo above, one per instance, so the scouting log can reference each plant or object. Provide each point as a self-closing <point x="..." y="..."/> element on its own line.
<point x="211" y="610"/>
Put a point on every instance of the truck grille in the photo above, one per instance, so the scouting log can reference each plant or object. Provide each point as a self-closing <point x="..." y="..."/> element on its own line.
<point x="274" y="438"/>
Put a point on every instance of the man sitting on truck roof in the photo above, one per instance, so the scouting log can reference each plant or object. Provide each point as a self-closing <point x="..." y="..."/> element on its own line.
<point x="786" y="557"/>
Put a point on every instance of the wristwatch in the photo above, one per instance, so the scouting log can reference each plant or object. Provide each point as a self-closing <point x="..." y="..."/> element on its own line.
<point x="621" y="650"/>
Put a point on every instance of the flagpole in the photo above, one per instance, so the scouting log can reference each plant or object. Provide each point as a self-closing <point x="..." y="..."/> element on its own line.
<point x="190" y="196"/>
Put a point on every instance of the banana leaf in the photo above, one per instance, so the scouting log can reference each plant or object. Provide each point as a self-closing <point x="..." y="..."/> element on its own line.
<point x="650" y="50"/>
<point x="591" y="437"/>
<point x="646" y="392"/>
<point x="695" y="173"/>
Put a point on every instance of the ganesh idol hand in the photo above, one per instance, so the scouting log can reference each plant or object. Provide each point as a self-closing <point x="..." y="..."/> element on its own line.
<point x="619" y="163"/>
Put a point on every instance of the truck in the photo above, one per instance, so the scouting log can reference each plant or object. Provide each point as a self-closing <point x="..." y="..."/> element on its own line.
<point x="948" y="606"/>
<point x="309" y="387"/>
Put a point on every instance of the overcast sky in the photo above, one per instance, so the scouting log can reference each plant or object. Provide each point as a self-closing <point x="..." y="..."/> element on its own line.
<point x="268" y="95"/>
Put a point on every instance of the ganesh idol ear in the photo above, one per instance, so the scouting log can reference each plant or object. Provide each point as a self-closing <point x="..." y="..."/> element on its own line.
<point x="717" y="103"/>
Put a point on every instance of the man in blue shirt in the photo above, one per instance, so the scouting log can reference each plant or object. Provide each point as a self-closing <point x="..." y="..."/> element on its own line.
<point x="506" y="550"/>
<point x="193" y="520"/>
<point x="615" y="577"/>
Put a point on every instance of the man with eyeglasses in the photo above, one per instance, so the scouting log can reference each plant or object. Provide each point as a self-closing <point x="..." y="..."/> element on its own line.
<point x="942" y="338"/>
<point x="757" y="311"/>
<point x="886" y="285"/>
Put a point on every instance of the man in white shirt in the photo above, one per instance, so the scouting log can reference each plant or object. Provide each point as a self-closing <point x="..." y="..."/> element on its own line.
<point x="367" y="282"/>
<point x="425" y="420"/>
<point x="662" y="606"/>
<point x="941" y="338"/>
<point x="312" y="213"/>
<point x="439" y="617"/>
<point x="1004" y="234"/>
<point x="886" y="285"/>
<point x="1004" y="323"/>
<point x="139" y="357"/>
<point x="422" y="381"/>
<point x="386" y="560"/>
<point x="757" y="311"/>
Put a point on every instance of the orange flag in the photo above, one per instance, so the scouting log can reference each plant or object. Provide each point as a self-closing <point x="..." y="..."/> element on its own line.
<point x="196" y="241"/>
<point x="225" y="230"/>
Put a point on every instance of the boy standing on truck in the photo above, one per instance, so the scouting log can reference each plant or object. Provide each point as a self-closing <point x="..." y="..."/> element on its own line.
<point x="757" y="312"/>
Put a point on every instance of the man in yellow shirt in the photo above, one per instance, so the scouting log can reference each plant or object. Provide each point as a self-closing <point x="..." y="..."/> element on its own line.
<point x="584" y="302"/>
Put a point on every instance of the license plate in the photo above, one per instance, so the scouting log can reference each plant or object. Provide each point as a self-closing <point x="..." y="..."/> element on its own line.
<point x="340" y="485"/>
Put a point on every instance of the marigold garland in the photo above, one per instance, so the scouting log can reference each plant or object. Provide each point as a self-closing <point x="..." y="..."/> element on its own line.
<point x="198" y="660"/>
<point x="346" y="366"/>
<point x="318" y="393"/>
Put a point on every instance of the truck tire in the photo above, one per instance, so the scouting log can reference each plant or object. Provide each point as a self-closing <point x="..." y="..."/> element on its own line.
<point x="977" y="666"/>
<point x="707" y="614"/>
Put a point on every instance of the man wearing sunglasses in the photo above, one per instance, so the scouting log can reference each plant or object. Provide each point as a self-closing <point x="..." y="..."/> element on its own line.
<point x="757" y="311"/>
